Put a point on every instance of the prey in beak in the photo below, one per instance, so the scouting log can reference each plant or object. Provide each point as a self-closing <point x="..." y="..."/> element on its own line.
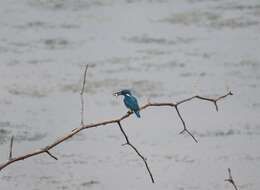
<point x="116" y="94"/>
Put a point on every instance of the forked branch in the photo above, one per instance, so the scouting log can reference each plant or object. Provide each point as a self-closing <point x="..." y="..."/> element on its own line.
<point x="117" y="121"/>
<point x="135" y="149"/>
<point x="231" y="180"/>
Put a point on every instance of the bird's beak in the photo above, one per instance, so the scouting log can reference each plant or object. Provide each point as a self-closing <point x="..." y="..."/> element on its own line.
<point x="116" y="94"/>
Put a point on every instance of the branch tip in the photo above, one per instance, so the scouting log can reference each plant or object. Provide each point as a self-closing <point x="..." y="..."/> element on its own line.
<point x="84" y="80"/>
<point x="11" y="148"/>
<point x="136" y="150"/>
<point x="51" y="155"/>
<point x="216" y="105"/>
<point x="184" y="125"/>
<point x="81" y="95"/>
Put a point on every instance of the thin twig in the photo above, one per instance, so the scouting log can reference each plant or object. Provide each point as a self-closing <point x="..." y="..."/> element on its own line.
<point x="104" y="123"/>
<point x="11" y="148"/>
<point x="214" y="101"/>
<point x="231" y="180"/>
<point x="184" y="125"/>
<point x="51" y="155"/>
<point x="81" y="95"/>
<point x="135" y="149"/>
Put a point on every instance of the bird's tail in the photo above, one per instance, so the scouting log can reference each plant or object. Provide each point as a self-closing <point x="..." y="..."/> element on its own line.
<point x="137" y="113"/>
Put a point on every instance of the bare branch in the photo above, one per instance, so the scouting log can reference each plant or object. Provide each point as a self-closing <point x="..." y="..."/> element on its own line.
<point x="84" y="80"/>
<point x="135" y="149"/>
<point x="51" y="155"/>
<point x="105" y="123"/>
<point x="214" y="101"/>
<point x="81" y="95"/>
<point x="184" y="125"/>
<point x="11" y="148"/>
<point x="230" y="179"/>
<point x="118" y="121"/>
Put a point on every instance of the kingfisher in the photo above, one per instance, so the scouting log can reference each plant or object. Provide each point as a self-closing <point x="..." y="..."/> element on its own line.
<point x="130" y="101"/>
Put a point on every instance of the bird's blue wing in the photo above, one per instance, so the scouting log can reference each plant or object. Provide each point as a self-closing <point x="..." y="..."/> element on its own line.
<point x="131" y="103"/>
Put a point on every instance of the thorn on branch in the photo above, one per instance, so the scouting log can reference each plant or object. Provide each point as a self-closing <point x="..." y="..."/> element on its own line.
<point x="51" y="155"/>
<point x="135" y="149"/>
<point x="230" y="179"/>
<point x="11" y="148"/>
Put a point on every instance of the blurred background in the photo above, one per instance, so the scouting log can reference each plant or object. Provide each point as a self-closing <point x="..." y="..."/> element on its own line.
<point x="165" y="51"/>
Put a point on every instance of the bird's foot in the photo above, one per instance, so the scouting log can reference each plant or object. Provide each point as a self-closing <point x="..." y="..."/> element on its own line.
<point x="129" y="112"/>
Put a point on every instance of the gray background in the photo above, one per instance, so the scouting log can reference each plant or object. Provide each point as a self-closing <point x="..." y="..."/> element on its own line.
<point x="163" y="51"/>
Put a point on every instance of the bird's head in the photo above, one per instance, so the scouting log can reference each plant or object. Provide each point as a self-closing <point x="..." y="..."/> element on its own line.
<point x="122" y="92"/>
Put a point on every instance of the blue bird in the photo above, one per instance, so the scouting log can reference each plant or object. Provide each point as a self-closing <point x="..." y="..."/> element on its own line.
<point x="130" y="101"/>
